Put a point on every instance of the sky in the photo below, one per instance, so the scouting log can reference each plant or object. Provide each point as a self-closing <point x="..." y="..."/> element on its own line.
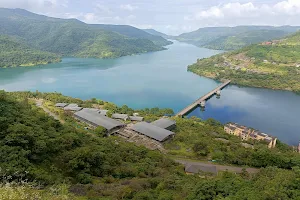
<point x="169" y="16"/>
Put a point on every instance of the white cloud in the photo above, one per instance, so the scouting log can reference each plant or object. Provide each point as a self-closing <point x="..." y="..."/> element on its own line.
<point x="248" y="10"/>
<point x="128" y="7"/>
<point x="102" y="8"/>
<point x="35" y="5"/>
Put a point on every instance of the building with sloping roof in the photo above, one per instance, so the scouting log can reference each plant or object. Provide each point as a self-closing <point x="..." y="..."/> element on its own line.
<point x="152" y="131"/>
<point x="120" y="116"/>
<point x="91" y="109"/>
<point x="198" y="168"/>
<point x="67" y="108"/>
<point x="72" y="107"/>
<point x="136" y="118"/>
<point x="95" y="119"/>
<point x="165" y="123"/>
<point x="103" y="112"/>
<point x="61" y="105"/>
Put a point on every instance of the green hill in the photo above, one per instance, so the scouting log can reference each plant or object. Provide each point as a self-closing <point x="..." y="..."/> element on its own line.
<point x="232" y="38"/>
<point x="14" y="52"/>
<point x="70" y="37"/>
<point x="133" y="32"/>
<point x="274" y="65"/>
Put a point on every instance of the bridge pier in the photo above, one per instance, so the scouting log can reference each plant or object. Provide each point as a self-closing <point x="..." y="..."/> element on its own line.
<point x="202" y="104"/>
<point x="218" y="92"/>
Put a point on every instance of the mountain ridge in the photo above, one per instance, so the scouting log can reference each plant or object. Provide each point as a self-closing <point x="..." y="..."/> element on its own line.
<point x="232" y="38"/>
<point x="71" y="37"/>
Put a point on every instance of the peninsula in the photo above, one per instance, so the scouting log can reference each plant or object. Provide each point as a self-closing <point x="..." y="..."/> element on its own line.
<point x="273" y="64"/>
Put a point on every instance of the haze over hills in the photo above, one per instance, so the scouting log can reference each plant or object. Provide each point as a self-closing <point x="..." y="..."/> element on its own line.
<point x="155" y="32"/>
<point x="71" y="37"/>
<point x="274" y="65"/>
<point x="232" y="38"/>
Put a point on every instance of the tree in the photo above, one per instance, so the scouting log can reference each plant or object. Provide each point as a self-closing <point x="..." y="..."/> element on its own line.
<point x="201" y="148"/>
<point x="100" y="131"/>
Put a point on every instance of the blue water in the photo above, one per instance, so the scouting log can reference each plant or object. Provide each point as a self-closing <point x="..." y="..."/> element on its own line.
<point x="160" y="79"/>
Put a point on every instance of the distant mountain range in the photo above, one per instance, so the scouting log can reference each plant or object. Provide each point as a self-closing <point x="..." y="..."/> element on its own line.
<point x="232" y="38"/>
<point x="70" y="37"/>
<point x="273" y="64"/>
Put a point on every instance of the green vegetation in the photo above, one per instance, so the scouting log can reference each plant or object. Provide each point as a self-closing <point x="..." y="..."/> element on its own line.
<point x="70" y="37"/>
<point x="16" y="53"/>
<point x="275" y="66"/>
<point x="67" y="162"/>
<point x="133" y="32"/>
<point x="227" y="38"/>
<point x="206" y="140"/>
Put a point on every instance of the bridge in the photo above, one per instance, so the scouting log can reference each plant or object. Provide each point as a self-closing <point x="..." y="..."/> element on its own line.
<point x="203" y="99"/>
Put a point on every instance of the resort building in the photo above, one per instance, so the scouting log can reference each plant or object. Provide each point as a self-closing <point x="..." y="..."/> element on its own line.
<point x="95" y="119"/>
<point x="120" y="116"/>
<point x="136" y="118"/>
<point x="165" y="124"/>
<point x="246" y="133"/>
<point x="151" y="131"/>
<point x="61" y="105"/>
<point x="103" y="112"/>
<point x="198" y="168"/>
<point x="72" y="107"/>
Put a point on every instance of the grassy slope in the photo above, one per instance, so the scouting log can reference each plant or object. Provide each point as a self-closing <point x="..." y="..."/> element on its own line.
<point x="227" y="38"/>
<point x="272" y="66"/>
<point x="14" y="52"/>
<point x="70" y="37"/>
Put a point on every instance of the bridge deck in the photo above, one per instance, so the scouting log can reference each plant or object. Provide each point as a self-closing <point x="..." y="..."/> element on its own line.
<point x="204" y="98"/>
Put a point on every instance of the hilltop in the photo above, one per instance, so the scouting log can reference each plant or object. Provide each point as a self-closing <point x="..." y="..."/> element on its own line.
<point x="71" y="37"/>
<point x="273" y="64"/>
<point x="232" y="38"/>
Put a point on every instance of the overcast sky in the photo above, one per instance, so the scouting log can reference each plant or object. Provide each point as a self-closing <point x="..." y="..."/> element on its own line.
<point x="169" y="16"/>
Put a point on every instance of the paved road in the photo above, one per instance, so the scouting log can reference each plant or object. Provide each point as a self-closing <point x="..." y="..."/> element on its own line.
<point x="219" y="167"/>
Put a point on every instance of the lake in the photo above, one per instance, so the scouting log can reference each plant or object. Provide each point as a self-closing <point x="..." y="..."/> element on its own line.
<point x="160" y="79"/>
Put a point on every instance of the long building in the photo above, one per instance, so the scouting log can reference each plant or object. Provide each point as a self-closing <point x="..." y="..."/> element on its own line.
<point x="165" y="123"/>
<point x="95" y="119"/>
<point x="154" y="132"/>
<point x="246" y="133"/>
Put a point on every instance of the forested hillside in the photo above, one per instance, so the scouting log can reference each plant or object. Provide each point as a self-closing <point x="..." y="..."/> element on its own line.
<point x="71" y="163"/>
<point x="232" y="38"/>
<point x="274" y="64"/>
<point x="133" y="32"/>
<point x="70" y="37"/>
<point x="14" y="52"/>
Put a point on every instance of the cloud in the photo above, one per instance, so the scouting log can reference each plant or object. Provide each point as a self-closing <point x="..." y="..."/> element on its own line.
<point x="237" y="10"/>
<point x="102" y="8"/>
<point x="128" y="7"/>
<point x="35" y="5"/>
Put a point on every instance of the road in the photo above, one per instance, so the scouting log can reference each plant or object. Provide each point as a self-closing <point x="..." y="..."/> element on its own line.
<point x="220" y="167"/>
<point x="39" y="103"/>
